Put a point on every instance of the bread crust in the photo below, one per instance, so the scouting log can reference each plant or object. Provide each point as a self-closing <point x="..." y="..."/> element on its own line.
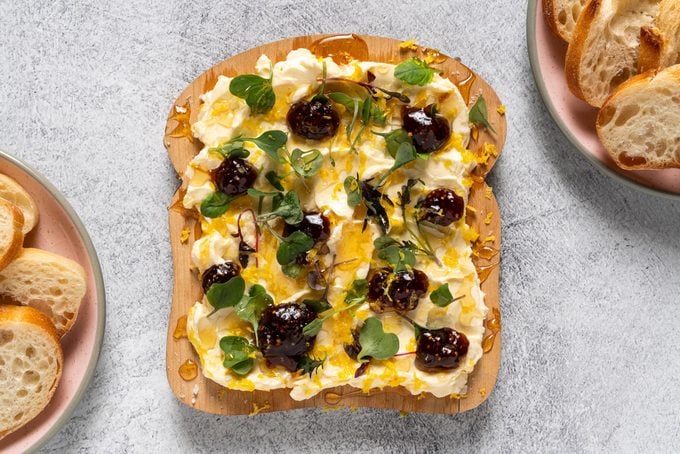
<point x="25" y="314"/>
<point x="572" y="64"/>
<point x="651" y="44"/>
<point x="17" y="237"/>
<point x="15" y="193"/>
<point x="639" y="80"/>
<point x="550" y="18"/>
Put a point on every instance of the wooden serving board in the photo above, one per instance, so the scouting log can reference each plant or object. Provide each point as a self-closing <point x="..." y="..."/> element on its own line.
<point x="482" y="214"/>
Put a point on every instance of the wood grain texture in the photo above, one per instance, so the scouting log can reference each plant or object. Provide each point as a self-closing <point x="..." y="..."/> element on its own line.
<point x="212" y="397"/>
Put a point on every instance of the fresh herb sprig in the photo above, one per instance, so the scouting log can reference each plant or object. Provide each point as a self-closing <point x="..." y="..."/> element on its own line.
<point x="364" y="111"/>
<point x="372" y="89"/>
<point x="309" y="365"/>
<point x="238" y="354"/>
<point x="359" y="191"/>
<point x="257" y="91"/>
<point x="227" y="294"/>
<point x="216" y="204"/>
<point x="375" y="342"/>
<point x="442" y="296"/>
<point x="355" y="296"/>
<point x="420" y="243"/>
<point x="251" y="306"/>
<point x="479" y="115"/>
<point x="414" y="71"/>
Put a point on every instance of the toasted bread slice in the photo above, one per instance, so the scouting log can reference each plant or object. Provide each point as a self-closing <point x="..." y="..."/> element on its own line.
<point x="48" y="282"/>
<point x="11" y="232"/>
<point x="640" y="124"/>
<point x="561" y="16"/>
<point x="30" y="365"/>
<point x="14" y="193"/>
<point x="604" y="49"/>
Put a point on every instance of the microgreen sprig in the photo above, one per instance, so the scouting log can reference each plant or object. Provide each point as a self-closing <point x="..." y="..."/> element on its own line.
<point x="355" y="296"/>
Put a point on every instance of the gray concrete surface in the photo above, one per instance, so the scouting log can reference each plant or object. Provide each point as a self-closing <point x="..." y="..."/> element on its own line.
<point x="591" y="273"/>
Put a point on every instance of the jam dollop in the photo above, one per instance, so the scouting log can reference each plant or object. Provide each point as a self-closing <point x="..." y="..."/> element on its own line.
<point x="429" y="130"/>
<point x="441" y="206"/>
<point x="400" y="291"/>
<point x="440" y="349"/>
<point x="219" y="274"/>
<point x="234" y="176"/>
<point x="315" y="120"/>
<point x="280" y="334"/>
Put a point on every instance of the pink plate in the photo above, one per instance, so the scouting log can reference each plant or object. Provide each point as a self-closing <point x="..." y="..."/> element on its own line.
<point x="59" y="230"/>
<point x="575" y="117"/>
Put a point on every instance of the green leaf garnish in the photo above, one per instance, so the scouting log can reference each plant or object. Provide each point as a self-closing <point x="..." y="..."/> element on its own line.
<point x="257" y="92"/>
<point x="287" y="207"/>
<point x="255" y="193"/>
<point x="226" y="294"/>
<point x="317" y="306"/>
<point x="414" y="71"/>
<point x="394" y="139"/>
<point x="442" y="296"/>
<point x="306" y="163"/>
<point x="353" y="191"/>
<point x="400" y="255"/>
<point x="250" y="307"/>
<point x="292" y="270"/>
<point x="237" y="351"/>
<point x="358" y="292"/>
<point x="479" y="115"/>
<point x="355" y="296"/>
<point x="215" y="205"/>
<point x="292" y="246"/>
<point x="274" y="179"/>
<point x="309" y="365"/>
<point x="375" y="342"/>
<point x="270" y="142"/>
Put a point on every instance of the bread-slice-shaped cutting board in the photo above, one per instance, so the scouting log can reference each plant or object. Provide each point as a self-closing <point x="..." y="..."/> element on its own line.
<point x="187" y="382"/>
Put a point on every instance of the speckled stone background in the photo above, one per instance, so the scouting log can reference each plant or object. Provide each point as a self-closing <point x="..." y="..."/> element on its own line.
<point x="591" y="269"/>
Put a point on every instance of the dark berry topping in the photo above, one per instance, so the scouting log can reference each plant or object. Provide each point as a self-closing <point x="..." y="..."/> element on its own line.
<point x="429" y="130"/>
<point x="314" y="120"/>
<point x="280" y="334"/>
<point x="399" y="291"/>
<point x="441" y="206"/>
<point x="234" y="176"/>
<point x="219" y="274"/>
<point x="440" y="349"/>
<point x="314" y="224"/>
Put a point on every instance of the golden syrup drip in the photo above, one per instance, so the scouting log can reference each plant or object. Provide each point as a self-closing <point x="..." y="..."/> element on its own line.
<point x="494" y="326"/>
<point x="334" y="398"/>
<point x="474" y="132"/>
<point x="465" y="86"/>
<point x="189" y="370"/>
<point x="486" y="252"/>
<point x="198" y="230"/>
<point x="433" y="56"/>
<point x="485" y="271"/>
<point x="341" y="48"/>
<point x="182" y="115"/>
<point x="180" y="328"/>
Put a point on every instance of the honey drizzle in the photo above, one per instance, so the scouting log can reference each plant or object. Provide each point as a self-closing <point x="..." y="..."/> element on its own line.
<point x="180" y="328"/>
<point x="341" y="48"/>
<point x="182" y="115"/>
<point x="494" y="326"/>
<point x="189" y="370"/>
<point x="465" y="86"/>
<point x="483" y="272"/>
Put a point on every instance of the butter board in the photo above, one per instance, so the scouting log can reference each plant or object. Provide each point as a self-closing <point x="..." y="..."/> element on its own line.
<point x="205" y="395"/>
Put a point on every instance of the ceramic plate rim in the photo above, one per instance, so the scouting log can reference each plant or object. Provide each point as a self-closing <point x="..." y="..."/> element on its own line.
<point x="100" y="292"/>
<point x="532" y="11"/>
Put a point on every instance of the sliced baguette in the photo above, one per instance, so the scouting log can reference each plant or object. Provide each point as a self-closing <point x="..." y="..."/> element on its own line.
<point x="561" y="16"/>
<point x="14" y="193"/>
<point x="31" y="360"/>
<point x="604" y="49"/>
<point x="11" y="232"/>
<point x="639" y="125"/>
<point x="668" y="24"/>
<point x="48" y="282"/>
